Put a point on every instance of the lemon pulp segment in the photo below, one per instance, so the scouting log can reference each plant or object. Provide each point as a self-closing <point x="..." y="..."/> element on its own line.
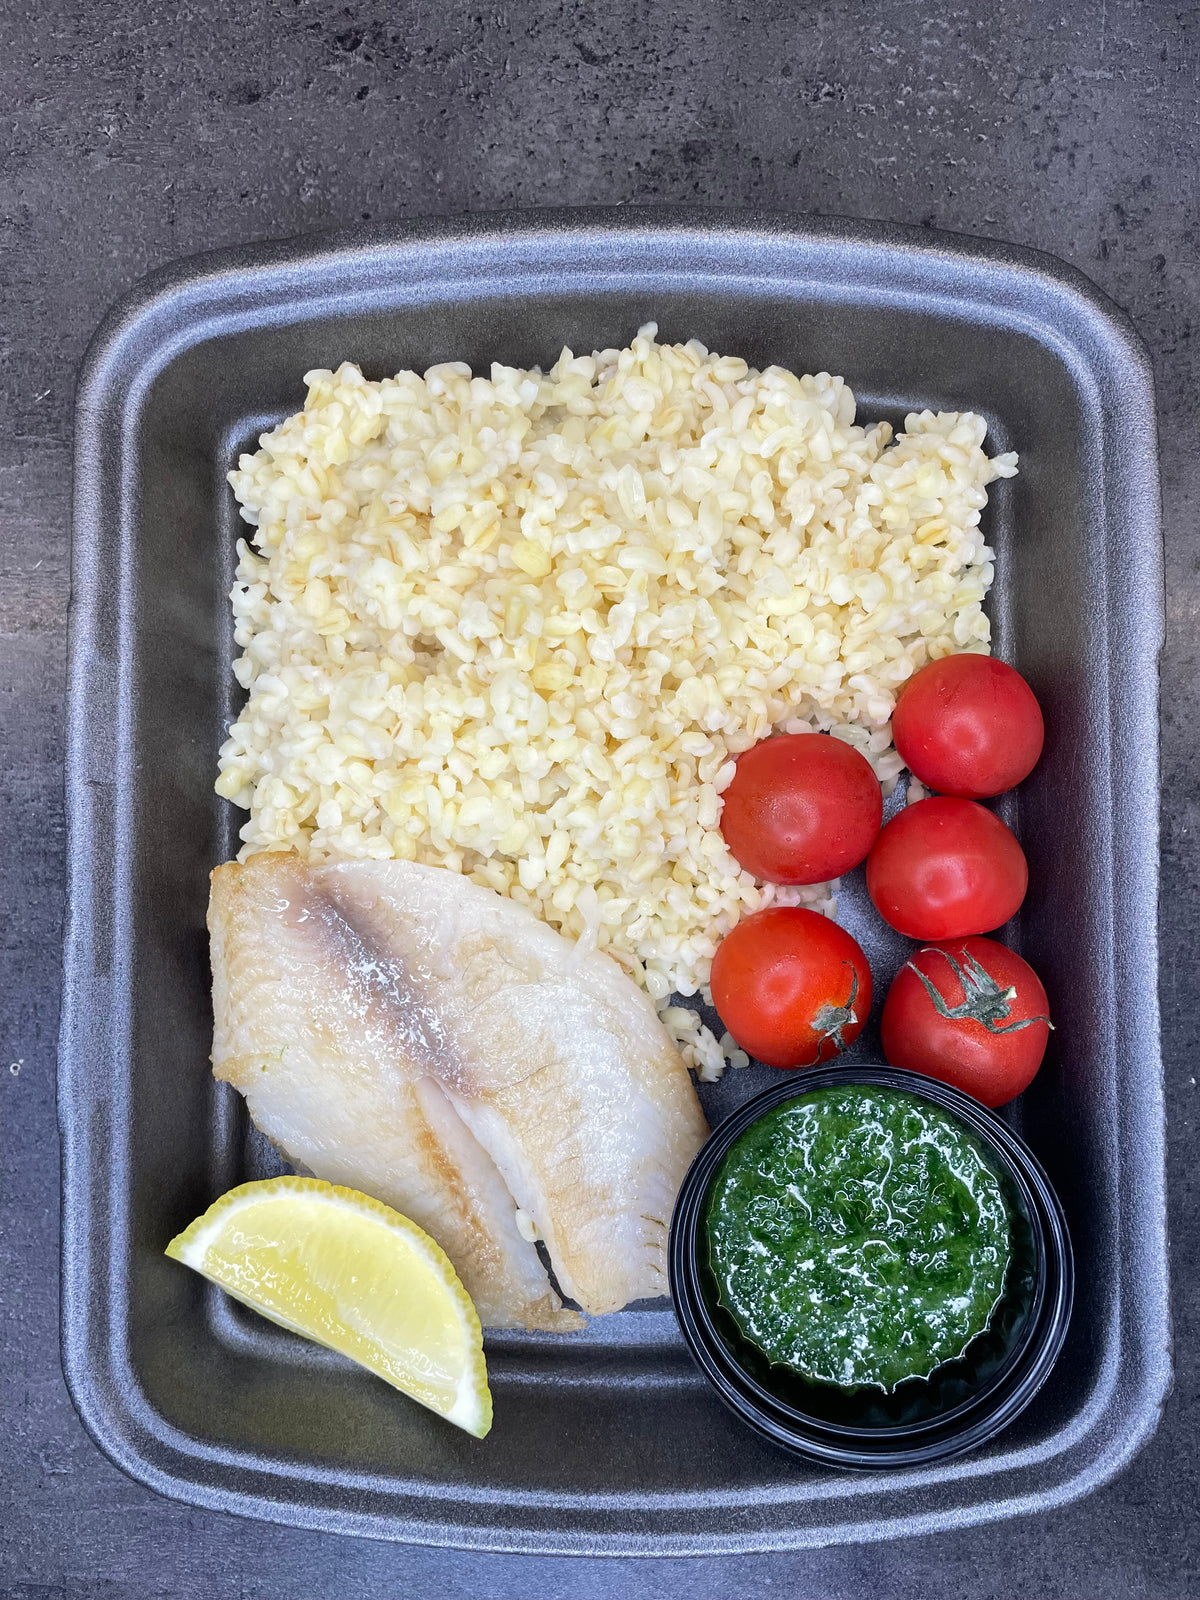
<point x="350" y="1273"/>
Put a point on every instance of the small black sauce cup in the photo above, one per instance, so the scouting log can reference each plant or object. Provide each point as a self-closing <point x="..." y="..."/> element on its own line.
<point x="960" y="1405"/>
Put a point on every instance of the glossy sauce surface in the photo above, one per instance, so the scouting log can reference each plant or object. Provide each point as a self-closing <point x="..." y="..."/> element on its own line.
<point x="858" y="1236"/>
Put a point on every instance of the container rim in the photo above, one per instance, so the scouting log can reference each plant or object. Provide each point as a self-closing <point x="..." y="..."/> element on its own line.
<point x="285" y="280"/>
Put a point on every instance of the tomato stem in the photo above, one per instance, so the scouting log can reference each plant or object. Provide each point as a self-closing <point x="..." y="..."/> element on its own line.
<point x="830" y="1020"/>
<point x="984" y="1001"/>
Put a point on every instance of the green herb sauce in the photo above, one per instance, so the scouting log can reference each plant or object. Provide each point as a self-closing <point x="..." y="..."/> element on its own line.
<point x="858" y="1236"/>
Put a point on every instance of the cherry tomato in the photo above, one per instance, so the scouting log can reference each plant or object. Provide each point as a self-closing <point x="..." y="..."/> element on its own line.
<point x="969" y="726"/>
<point x="802" y="807"/>
<point x="971" y="1013"/>
<point x="945" y="868"/>
<point x="791" y="986"/>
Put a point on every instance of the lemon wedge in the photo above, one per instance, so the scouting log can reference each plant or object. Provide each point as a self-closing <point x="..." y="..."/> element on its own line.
<point x="352" y="1274"/>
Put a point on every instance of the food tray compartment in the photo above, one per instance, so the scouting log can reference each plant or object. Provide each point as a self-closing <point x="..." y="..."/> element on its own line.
<point x="610" y="1441"/>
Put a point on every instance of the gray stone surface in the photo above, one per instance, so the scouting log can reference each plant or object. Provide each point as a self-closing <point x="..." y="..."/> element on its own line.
<point x="131" y="135"/>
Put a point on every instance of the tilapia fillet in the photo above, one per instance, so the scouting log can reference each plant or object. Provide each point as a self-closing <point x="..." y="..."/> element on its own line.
<point x="403" y="1031"/>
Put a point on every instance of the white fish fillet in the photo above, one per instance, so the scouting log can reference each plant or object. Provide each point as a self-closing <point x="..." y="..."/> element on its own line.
<point x="304" y="1028"/>
<point x="403" y="1031"/>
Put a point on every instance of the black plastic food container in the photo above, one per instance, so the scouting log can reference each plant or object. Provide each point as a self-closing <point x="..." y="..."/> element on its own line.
<point x="608" y="1441"/>
<point x="964" y="1403"/>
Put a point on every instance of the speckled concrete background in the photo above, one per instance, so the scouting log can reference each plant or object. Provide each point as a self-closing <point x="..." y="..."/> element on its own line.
<point x="133" y="134"/>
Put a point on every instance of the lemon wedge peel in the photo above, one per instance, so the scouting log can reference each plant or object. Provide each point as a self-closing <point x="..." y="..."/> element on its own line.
<point x="349" y="1273"/>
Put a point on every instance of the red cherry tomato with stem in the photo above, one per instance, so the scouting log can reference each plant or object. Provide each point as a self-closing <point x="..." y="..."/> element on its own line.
<point x="969" y="726"/>
<point x="944" y="868"/>
<point x="802" y="808"/>
<point x="791" y="986"/>
<point x="970" y="1012"/>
